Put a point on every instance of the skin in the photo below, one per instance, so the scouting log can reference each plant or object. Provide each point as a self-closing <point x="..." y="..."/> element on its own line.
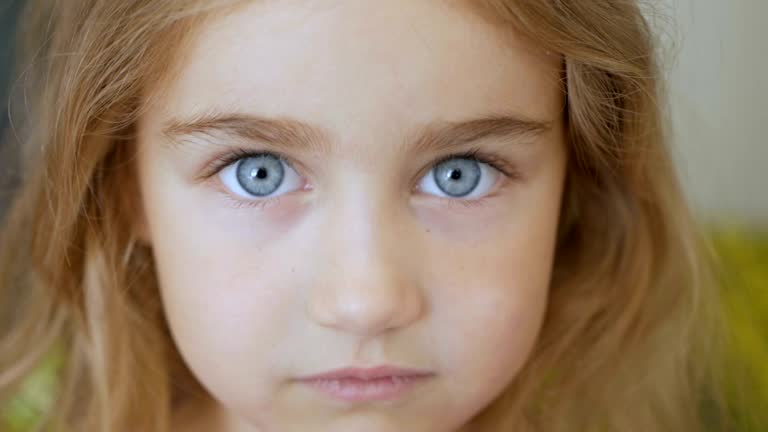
<point x="360" y="264"/>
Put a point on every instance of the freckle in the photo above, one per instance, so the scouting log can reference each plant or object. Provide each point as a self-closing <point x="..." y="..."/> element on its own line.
<point x="293" y="269"/>
<point x="429" y="230"/>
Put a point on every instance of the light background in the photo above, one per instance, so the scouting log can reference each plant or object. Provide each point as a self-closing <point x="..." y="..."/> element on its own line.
<point x="719" y="98"/>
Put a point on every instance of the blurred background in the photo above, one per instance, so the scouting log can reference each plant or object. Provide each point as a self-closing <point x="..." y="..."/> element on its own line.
<point x="9" y="10"/>
<point x="716" y="63"/>
<point x="719" y="94"/>
<point x="718" y="82"/>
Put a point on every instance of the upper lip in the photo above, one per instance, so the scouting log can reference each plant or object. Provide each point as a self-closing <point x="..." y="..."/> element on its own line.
<point x="367" y="373"/>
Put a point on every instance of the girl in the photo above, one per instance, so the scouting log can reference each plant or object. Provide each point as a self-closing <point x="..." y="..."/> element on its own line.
<point x="429" y="215"/>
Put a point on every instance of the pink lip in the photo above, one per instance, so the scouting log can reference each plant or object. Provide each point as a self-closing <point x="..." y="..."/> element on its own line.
<point x="364" y="385"/>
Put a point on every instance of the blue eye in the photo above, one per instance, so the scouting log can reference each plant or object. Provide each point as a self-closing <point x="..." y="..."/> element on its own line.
<point x="457" y="177"/>
<point x="460" y="177"/>
<point x="259" y="176"/>
<point x="264" y="175"/>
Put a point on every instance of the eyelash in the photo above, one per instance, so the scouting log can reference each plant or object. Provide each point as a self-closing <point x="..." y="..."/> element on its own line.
<point x="489" y="159"/>
<point x="226" y="159"/>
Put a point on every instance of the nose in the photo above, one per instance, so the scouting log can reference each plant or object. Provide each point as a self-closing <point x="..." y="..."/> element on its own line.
<point x="367" y="285"/>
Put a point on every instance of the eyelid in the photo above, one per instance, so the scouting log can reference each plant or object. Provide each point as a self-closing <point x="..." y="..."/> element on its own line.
<point x="226" y="159"/>
<point x="262" y="203"/>
<point x="496" y="162"/>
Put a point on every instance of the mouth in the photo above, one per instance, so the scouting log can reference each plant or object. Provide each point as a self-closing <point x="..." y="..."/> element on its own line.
<point x="383" y="383"/>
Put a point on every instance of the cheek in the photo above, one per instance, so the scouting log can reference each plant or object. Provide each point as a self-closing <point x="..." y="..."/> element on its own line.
<point x="226" y="311"/>
<point x="490" y="299"/>
<point x="488" y="318"/>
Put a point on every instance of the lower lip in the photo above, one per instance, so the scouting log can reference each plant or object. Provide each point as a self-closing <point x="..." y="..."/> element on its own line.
<point x="360" y="390"/>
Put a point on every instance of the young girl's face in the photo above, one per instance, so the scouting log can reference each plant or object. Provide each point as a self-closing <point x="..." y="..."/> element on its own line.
<point x="354" y="184"/>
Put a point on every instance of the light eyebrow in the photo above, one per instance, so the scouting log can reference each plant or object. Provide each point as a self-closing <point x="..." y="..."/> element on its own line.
<point x="446" y="135"/>
<point x="280" y="132"/>
<point x="291" y="134"/>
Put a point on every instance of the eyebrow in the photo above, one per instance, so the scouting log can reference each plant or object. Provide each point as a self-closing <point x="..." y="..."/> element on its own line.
<point x="291" y="134"/>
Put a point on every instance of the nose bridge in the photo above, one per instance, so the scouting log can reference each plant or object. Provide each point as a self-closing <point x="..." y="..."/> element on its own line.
<point x="367" y="285"/>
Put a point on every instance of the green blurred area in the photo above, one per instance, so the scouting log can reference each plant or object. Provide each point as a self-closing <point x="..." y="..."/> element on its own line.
<point x="36" y="396"/>
<point x="743" y="256"/>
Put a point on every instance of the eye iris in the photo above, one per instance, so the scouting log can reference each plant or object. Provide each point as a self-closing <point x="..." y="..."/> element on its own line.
<point x="457" y="177"/>
<point x="260" y="175"/>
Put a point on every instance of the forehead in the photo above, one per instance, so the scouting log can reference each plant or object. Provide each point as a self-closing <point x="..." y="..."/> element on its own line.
<point x="362" y="66"/>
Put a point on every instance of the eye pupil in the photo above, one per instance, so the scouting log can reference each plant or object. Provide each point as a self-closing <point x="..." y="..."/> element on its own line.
<point x="455" y="174"/>
<point x="261" y="173"/>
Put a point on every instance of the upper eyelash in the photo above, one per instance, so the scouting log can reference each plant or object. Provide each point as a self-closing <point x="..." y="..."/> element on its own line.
<point x="224" y="160"/>
<point x="227" y="159"/>
<point x="478" y="155"/>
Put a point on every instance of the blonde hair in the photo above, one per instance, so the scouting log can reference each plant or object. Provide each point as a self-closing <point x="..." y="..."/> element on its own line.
<point x="629" y="294"/>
